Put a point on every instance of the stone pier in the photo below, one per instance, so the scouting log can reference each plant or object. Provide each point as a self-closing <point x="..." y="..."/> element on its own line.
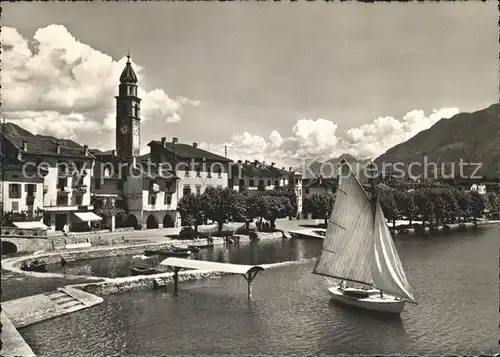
<point x="13" y="343"/>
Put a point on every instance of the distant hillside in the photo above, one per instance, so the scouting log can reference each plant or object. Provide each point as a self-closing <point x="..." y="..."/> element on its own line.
<point x="329" y="168"/>
<point x="472" y="137"/>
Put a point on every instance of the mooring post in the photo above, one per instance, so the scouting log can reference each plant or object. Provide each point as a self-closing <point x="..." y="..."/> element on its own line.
<point x="249" y="281"/>
<point x="175" y="270"/>
<point x="176" y="281"/>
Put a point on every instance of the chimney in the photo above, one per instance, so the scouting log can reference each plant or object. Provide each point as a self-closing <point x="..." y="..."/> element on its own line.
<point x="272" y="164"/>
<point x="58" y="148"/>
<point x="113" y="152"/>
<point x="290" y="169"/>
<point x="25" y="145"/>
<point x="85" y="150"/>
<point x="246" y="161"/>
<point x="163" y="141"/>
<point x="175" y="140"/>
<point x="195" y="145"/>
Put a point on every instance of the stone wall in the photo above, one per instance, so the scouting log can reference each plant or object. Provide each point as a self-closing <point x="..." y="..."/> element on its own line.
<point x="119" y="285"/>
<point x="22" y="232"/>
<point x="29" y="245"/>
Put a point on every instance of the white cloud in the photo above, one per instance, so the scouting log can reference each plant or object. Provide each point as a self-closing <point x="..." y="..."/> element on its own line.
<point x="373" y="139"/>
<point x="54" y="84"/>
<point x="318" y="139"/>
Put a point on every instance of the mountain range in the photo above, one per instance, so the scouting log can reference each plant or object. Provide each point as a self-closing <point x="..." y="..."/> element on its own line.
<point x="470" y="137"/>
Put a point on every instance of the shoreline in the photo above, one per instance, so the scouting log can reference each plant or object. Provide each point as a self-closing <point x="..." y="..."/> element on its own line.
<point x="51" y="257"/>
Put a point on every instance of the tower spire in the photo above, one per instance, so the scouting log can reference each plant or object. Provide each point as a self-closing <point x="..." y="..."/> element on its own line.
<point x="128" y="74"/>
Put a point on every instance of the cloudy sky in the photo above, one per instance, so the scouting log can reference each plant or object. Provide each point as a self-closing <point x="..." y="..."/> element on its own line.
<point x="273" y="81"/>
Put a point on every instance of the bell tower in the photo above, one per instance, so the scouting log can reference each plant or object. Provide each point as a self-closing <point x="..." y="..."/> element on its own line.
<point x="128" y="114"/>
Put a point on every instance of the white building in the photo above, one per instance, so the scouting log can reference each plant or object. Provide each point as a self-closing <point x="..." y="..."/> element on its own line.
<point x="66" y="169"/>
<point x="196" y="168"/>
<point x="479" y="188"/>
<point x="21" y="196"/>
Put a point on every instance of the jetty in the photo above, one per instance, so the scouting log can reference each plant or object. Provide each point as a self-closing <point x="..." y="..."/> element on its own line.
<point x="249" y="272"/>
<point x="36" y="308"/>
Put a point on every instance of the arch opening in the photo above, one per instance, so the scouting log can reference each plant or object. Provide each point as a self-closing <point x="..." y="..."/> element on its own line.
<point x="132" y="221"/>
<point x="168" y="221"/>
<point x="151" y="222"/>
<point x="8" y="248"/>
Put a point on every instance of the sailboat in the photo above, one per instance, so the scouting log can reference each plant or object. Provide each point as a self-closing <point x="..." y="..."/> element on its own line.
<point x="358" y="249"/>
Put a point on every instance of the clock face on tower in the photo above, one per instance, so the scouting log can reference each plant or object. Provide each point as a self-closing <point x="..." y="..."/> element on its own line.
<point x="124" y="129"/>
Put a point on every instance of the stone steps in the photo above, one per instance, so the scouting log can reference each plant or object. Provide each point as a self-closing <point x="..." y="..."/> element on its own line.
<point x="36" y="308"/>
<point x="64" y="300"/>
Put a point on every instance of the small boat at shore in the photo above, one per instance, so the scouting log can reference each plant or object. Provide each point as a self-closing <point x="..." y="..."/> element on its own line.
<point x="200" y="246"/>
<point x="35" y="265"/>
<point x="168" y="252"/>
<point x="143" y="270"/>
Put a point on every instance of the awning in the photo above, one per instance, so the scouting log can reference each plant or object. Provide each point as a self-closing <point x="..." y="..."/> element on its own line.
<point x="87" y="216"/>
<point x="30" y="225"/>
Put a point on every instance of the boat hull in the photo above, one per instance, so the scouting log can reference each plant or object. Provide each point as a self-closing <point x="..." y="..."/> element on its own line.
<point x="200" y="246"/>
<point x="143" y="271"/>
<point x="374" y="302"/>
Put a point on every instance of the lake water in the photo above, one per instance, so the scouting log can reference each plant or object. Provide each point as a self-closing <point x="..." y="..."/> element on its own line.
<point x="455" y="280"/>
<point x="263" y="252"/>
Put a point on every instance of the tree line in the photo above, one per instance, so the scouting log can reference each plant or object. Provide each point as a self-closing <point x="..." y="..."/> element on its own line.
<point x="432" y="206"/>
<point x="226" y="205"/>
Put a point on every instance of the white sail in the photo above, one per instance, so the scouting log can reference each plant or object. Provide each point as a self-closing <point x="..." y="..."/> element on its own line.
<point x="388" y="273"/>
<point x="348" y="245"/>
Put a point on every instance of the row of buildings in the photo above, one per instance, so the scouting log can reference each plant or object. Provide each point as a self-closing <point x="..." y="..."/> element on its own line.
<point x="53" y="183"/>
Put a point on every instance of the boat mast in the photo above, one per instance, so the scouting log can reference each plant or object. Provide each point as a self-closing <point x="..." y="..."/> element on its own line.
<point x="373" y="172"/>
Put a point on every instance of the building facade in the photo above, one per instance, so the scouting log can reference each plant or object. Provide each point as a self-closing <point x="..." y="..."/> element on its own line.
<point x="66" y="170"/>
<point x="258" y="175"/>
<point x="21" y="196"/>
<point x="196" y="168"/>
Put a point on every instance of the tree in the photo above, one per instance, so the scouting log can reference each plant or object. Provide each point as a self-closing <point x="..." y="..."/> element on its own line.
<point x="493" y="203"/>
<point x="278" y="207"/>
<point x="477" y="204"/>
<point x="425" y="207"/>
<point x="389" y="206"/>
<point x="451" y="205"/>
<point x="219" y="204"/>
<point x="438" y="206"/>
<point x="109" y="206"/>
<point x="464" y="204"/>
<point x="319" y="205"/>
<point x="406" y="205"/>
<point x="191" y="210"/>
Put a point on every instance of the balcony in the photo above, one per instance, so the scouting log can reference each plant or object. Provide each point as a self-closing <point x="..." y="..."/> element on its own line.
<point x="80" y="188"/>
